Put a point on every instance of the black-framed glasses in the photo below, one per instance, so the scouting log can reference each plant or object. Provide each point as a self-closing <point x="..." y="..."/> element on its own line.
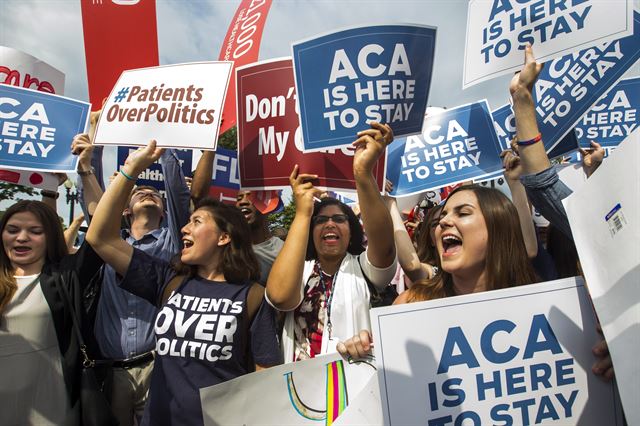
<point x="336" y="218"/>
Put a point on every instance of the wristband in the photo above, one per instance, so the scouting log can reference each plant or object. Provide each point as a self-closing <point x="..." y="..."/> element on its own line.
<point x="123" y="173"/>
<point x="530" y="141"/>
<point x="49" y="194"/>
<point x="86" y="172"/>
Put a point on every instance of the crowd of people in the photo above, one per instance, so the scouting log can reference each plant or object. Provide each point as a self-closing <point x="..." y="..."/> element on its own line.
<point x="167" y="296"/>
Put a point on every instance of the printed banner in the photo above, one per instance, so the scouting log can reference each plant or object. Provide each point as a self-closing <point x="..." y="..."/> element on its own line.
<point x="606" y="232"/>
<point x="241" y="46"/>
<point x="456" y="145"/>
<point x="569" y="86"/>
<point x="270" y="139"/>
<point x="225" y="182"/>
<point x="28" y="178"/>
<point x="311" y="392"/>
<point x="22" y="70"/>
<point x="516" y="356"/>
<point x="613" y="117"/>
<point x="499" y="30"/>
<point x="349" y="78"/>
<point x="118" y="35"/>
<point x="36" y="129"/>
<point x="177" y="105"/>
<point x="152" y="175"/>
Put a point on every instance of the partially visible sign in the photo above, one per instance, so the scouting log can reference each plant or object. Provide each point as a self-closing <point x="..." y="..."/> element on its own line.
<point x="36" y="129"/>
<point x="22" y="70"/>
<point x="152" y="175"/>
<point x="177" y="105"/>
<point x="31" y="179"/>
<point x="349" y="78"/>
<point x="457" y="144"/>
<point x="225" y="182"/>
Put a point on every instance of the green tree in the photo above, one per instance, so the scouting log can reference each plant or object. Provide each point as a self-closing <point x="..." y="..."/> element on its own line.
<point x="229" y="139"/>
<point x="8" y="191"/>
<point x="283" y="218"/>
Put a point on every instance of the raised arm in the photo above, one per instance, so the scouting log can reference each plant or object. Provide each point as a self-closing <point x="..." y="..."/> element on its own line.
<point x="88" y="186"/>
<point x="512" y="172"/>
<point x="284" y="285"/>
<point x="376" y="219"/>
<point x="104" y="232"/>
<point x="407" y="255"/>
<point x="202" y="176"/>
<point x="178" y="198"/>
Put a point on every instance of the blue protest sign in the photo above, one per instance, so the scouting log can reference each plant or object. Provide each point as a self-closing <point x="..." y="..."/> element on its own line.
<point x="613" y="117"/>
<point x="347" y="79"/>
<point x="455" y="145"/>
<point x="152" y="176"/>
<point x="36" y="129"/>
<point x="225" y="169"/>
<point x="569" y="86"/>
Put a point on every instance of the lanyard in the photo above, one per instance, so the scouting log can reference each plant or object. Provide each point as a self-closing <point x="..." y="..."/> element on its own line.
<point x="328" y="294"/>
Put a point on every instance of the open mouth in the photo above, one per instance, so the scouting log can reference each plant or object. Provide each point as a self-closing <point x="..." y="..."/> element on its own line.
<point x="451" y="244"/>
<point x="246" y="212"/>
<point x="186" y="243"/>
<point x="330" y="237"/>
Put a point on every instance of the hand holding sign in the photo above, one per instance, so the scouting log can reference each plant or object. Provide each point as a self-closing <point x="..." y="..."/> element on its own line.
<point x="82" y="147"/>
<point x="592" y="158"/>
<point x="142" y="158"/>
<point x="369" y="145"/>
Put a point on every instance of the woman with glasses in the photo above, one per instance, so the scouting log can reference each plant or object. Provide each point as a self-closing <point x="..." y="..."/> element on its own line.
<point x="320" y="278"/>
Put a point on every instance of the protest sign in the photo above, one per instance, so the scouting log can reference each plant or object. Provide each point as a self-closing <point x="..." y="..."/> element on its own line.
<point x="604" y="214"/>
<point x="118" y="35"/>
<point x="520" y="355"/>
<point x="270" y="138"/>
<point x="311" y="392"/>
<point x="225" y="181"/>
<point x="569" y="86"/>
<point x="22" y="70"/>
<point x="36" y="129"/>
<point x="456" y="145"/>
<point x="177" y="105"/>
<point x="152" y="175"/>
<point x="348" y="78"/>
<point x="31" y="179"/>
<point x="241" y="46"/>
<point x="613" y="117"/>
<point x="365" y="408"/>
<point x="499" y="30"/>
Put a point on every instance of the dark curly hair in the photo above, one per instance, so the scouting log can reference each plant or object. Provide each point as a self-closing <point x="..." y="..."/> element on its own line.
<point x="356" y="243"/>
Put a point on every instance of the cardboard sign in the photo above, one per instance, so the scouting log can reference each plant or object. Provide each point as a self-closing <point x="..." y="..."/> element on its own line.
<point x="604" y="214"/>
<point x="225" y="182"/>
<point x="36" y="129"/>
<point x="515" y="356"/>
<point x="152" y="175"/>
<point x="311" y="392"/>
<point x="241" y="46"/>
<point x="499" y="30"/>
<point x="348" y="78"/>
<point x="270" y="138"/>
<point x="569" y="86"/>
<point x="456" y="145"/>
<point x="22" y="70"/>
<point x="613" y="117"/>
<point x="40" y="180"/>
<point x="177" y="105"/>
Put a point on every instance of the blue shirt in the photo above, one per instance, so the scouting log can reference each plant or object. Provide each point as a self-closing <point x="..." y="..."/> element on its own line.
<point x="124" y="322"/>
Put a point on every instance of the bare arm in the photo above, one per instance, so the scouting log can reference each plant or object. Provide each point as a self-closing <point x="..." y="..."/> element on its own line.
<point x="71" y="232"/>
<point x="283" y="288"/>
<point x="202" y="176"/>
<point x="407" y="255"/>
<point x="91" y="189"/>
<point x="104" y="231"/>
<point x="376" y="219"/>
<point x="513" y="170"/>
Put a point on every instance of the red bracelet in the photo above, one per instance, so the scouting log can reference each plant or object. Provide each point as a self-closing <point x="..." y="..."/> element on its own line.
<point x="531" y="141"/>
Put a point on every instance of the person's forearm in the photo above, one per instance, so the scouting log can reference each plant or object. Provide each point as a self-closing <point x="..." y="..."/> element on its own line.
<point x="407" y="255"/>
<point x="376" y="220"/>
<point x="202" y="176"/>
<point x="534" y="157"/>
<point x="520" y="201"/>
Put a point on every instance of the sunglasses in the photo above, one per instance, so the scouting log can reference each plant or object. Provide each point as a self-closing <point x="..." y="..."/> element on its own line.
<point x="336" y="218"/>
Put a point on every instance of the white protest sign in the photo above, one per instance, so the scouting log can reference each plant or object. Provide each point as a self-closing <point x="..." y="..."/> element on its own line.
<point x="498" y="31"/>
<point x="300" y="393"/>
<point x="365" y="408"/>
<point x="605" y="222"/>
<point x="20" y="69"/>
<point x="30" y="178"/>
<point x="514" y="356"/>
<point x="177" y="105"/>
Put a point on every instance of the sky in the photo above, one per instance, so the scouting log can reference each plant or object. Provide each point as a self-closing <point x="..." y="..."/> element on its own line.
<point x="190" y="31"/>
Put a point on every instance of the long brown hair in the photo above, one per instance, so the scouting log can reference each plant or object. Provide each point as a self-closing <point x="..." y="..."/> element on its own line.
<point x="507" y="263"/>
<point x="54" y="240"/>
<point x="238" y="261"/>
<point x="427" y="251"/>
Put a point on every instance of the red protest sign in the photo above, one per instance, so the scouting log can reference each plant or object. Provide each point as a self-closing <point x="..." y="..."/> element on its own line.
<point x="118" y="36"/>
<point x="269" y="135"/>
<point x="242" y="45"/>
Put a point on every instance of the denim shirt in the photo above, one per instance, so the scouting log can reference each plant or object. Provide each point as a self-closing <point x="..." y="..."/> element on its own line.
<point x="124" y="322"/>
<point x="546" y="192"/>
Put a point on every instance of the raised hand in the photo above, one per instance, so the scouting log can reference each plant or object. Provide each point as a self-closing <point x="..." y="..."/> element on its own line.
<point x="83" y="148"/>
<point x="142" y="158"/>
<point x="592" y="157"/>
<point x="370" y="144"/>
<point x="525" y="79"/>
<point x="303" y="191"/>
<point x="511" y="164"/>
